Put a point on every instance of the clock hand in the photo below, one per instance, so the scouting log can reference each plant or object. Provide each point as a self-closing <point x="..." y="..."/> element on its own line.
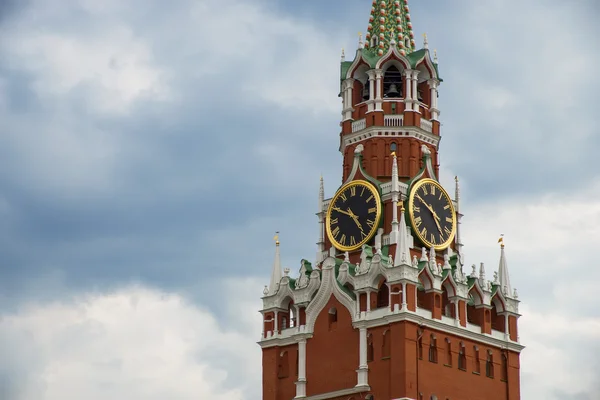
<point x="435" y="216"/>
<point x="355" y="218"/>
<point x="342" y="211"/>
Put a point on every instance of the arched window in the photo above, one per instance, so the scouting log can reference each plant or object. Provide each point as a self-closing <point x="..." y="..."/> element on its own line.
<point x="462" y="357"/>
<point x="386" y="345"/>
<point x="374" y="41"/>
<point x="432" y="349"/>
<point x="476" y="365"/>
<point x="448" y="352"/>
<point x="489" y="365"/>
<point x="392" y="82"/>
<point x="332" y="318"/>
<point x="504" y="367"/>
<point x="393" y="146"/>
<point x="283" y="365"/>
<point x="383" y="296"/>
<point x="370" y="354"/>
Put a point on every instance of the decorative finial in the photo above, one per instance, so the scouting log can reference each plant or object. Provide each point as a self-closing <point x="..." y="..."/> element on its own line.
<point x="435" y="58"/>
<point x="501" y="240"/>
<point x="425" y="42"/>
<point x="401" y="205"/>
<point x="266" y="290"/>
<point x="286" y="271"/>
<point x="276" y="238"/>
<point x="359" y="149"/>
<point x="360" y="40"/>
<point x="343" y="55"/>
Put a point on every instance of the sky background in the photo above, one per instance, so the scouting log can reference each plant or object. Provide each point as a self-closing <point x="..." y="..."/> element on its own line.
<point x="148" y="152"/>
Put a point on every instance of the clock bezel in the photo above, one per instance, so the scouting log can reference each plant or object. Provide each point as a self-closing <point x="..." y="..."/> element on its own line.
<point x="375" y="192"/>
<point x="411" y="200"/>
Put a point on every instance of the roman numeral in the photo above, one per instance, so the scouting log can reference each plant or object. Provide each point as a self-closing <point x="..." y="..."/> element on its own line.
<point x="447" y="230"/>
<point x="424" y="232"/>
<point x="352" y="241"/>
<point x="447" y="206"/>
<point x="432" y="238"/>
<point x="425" y="190"/>
<point x="370" y="223"/>
<point x="433" y="190"/>
<point x="343" y="240"/>
<point x="417" y="209"/>
<point x="343" y="196"/>
<point x="418" y="221"/>
<point x="369" y="198"/>
<point x="336" y="231"/>
<point x="441" y="194"/>
<point x="449" y="219"/>
<point x="353" y="191"/>
<point x="362" y="191"/>
<point x="372" y="210"/>
<point x="334" y="221"/>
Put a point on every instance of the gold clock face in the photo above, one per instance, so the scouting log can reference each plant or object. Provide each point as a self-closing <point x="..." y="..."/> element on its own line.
<point x="432" y="214"/>
<point x="353" y="215"/>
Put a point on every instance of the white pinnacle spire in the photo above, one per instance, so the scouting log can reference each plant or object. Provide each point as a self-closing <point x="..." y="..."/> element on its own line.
<point x="457" y="239"/>
<point x="402" y="256"/>
<point x="425" y="41"/>
<point x="503" y="272"/>
<point x="395" y="193"/>
<point x="482" y="275"/>
<point x="321" y="216"/>
<point x="276" y="273"/>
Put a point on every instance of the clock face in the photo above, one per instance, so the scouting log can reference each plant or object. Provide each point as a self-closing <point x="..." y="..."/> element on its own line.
<point x="432" y="214"/>
<point x="353" y="215"/>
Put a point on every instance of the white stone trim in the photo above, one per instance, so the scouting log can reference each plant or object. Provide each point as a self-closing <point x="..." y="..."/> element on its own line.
<point x="389" y="132"/>
<point x="329" y="286"/>
<point x="301" y="382"/>
<point x="338" y="393"/>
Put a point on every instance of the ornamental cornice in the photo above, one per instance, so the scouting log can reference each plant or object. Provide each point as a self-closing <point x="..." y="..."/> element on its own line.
<point x="389" y="132"/>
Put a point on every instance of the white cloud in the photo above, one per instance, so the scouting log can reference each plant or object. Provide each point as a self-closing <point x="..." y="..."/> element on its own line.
<point x="134" y="343"/>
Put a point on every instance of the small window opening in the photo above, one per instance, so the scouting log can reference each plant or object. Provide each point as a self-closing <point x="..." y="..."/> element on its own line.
<point x="504" y="368"/>
<point x="462" y="358"/>
<point x="476" y="365"/>
<point x="283" y="365"/>
<point x="383" y="296"/>
<point x="333" y="317"/>
<point x="489" y="365"/>
<point x="385" y="347"/>
<point x="393" y="146"/>
<point x="448" y="352"/>
<point x="370" y="349"/>
<point x="433" y="350"/>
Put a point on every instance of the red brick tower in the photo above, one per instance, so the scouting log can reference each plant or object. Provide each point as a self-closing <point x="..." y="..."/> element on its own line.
<point x="387" y="312"/>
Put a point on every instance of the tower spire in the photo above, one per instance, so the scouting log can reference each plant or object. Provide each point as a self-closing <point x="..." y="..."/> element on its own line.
<point x="321" y="217"/>
<point x="395" y="195"/>
<point x="389" y="22"/>
<point x="503" y="276"/>
<point x="276" y="273"/>
<point x="402" y="256"/>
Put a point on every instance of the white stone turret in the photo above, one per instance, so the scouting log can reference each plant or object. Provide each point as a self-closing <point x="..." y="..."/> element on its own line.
<point x="276" y="272"/>
<point x="457" y="239"/>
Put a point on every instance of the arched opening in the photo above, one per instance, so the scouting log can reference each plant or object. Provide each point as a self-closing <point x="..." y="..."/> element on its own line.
<point x="283" y="365"/>
<point x="504" y="367"/>
<point x="433" y="349"/>
<point x="370" y="350"/>
<point x="489" y="365"/>
<point x="462" y="357"/>
<point x="393" y="147"/>
<point x="498" y="321"/>
<point x="383" y="295"/>
<point x="392" y="83"/>
<point x="333" y="317"/>
<point x="448" y="308"/>
<point x="386" y="345"/>
<point x="448" y="352"/>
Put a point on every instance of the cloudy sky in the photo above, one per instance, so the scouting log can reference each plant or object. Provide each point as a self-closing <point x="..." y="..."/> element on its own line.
<point x="149" y="151"/>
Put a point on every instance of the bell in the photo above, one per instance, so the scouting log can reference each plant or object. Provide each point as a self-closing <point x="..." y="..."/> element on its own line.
<point x="365" y="92"/>
<point x="393" y="91"/>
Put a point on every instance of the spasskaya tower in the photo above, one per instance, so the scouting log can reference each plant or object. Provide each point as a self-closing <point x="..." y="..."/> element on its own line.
<point x="385" y="310"/>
